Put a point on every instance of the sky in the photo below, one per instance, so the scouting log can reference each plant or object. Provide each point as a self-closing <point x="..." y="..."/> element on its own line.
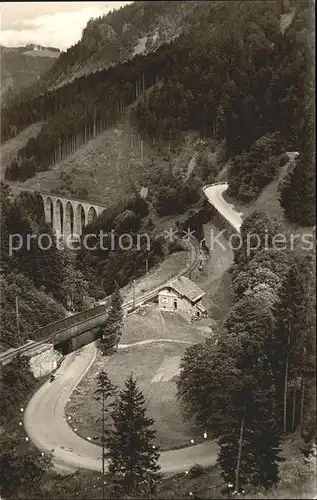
<point x="54" y="24"/>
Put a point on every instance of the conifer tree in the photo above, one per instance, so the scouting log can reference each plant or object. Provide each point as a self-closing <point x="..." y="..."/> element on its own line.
<point x="249" y="443"/>
<point x="297" y="190"/>
<point x="112" y="330"/>
<point x="16" y="224"/>
<point x="133" y="459"/>
<point x="307" y="364"/>
<point x="257" y="232"/>
<point x="74" y="286"/>
<point x="4" y="229"/>
<point x="48" y="263"/>
<point x="105" y="391"/>
<point x="293" y="337"/>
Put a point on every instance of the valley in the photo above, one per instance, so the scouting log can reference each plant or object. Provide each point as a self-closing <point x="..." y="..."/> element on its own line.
<point x="21" y="67"/>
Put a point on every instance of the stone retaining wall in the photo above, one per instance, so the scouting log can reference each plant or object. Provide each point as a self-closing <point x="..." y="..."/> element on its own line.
<point x="44" y="360"/>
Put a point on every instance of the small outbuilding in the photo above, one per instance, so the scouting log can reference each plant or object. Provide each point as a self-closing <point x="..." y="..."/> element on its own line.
<point x="184" y="296"/>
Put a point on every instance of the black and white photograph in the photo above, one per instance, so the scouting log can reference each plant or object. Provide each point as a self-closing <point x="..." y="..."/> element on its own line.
<point x="158" y="250"/>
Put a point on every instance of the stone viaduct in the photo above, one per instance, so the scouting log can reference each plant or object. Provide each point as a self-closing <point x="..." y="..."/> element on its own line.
<point x="69" y="216"/>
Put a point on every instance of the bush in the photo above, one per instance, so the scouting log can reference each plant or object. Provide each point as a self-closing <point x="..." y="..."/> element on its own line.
<point x="176" y="246"/>
<point x="82" y="193"/>
<point x="256" y="167"/>
<point x="297" y="190"/>
<point x="64" y="176"/>
<point x="37" y="309"/>
<point x="197" y="470"/>
<point x="17" y="383"/>
<point x="174" y="196"/>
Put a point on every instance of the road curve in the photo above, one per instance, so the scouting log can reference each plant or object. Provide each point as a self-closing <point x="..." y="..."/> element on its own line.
<point x="214" y="194"/>
<point x="47" y="427"/>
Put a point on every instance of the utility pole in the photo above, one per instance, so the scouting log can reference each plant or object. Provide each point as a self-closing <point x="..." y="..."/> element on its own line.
<point x="103" y="445"/>
<point x="141" y="149"/>
<point x="240" y="450"/>
<point x="146" y="265"/>
<point x="17" y="314"/>
<point x="104" y="390"/>
<point x="133" y="284"/>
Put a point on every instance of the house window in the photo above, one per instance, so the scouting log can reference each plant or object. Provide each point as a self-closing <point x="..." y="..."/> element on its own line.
<point x="164" y="299"/>
<point x="175" y="303"/>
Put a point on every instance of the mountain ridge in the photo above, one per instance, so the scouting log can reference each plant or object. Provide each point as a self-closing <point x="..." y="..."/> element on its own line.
<point x="137" y="28"/>
<point x="22" y="66"/>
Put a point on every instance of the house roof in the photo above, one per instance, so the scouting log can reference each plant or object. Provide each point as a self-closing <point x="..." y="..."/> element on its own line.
<point x="184" y="286"/>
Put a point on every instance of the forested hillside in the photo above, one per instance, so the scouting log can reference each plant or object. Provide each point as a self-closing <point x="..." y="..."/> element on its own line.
<point x="256" y="385"/>
<point x="240" y="81"/>
<point x="233" y="80"/>
<point x="21" y="67"/>
<point x="43" y="282"/>
<point x="138" y="28"/>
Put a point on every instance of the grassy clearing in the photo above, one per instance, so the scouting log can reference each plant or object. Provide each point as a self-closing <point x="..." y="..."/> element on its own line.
<point x="107" y="166"/>
<point x="167" y="269"/>
<point x="202" y="483"/>
<point x="151" y="323"/>
<point x="111" y="167"/>
<point x="155" y="367"/>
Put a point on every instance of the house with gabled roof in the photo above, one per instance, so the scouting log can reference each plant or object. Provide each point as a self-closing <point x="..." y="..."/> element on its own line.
<point x="184" y="296"/>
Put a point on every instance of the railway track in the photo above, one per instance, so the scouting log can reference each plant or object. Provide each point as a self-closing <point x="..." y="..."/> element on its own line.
<point x="64" y="324"/>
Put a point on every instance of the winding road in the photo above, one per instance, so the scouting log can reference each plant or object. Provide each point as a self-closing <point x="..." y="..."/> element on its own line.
<point x="47" y="427"/>
<point x="214" y="193"/>
<point x="45" y="420"/>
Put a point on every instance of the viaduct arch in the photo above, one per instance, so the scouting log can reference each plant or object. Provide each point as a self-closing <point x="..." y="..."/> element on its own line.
<point x="69" y="216"/>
